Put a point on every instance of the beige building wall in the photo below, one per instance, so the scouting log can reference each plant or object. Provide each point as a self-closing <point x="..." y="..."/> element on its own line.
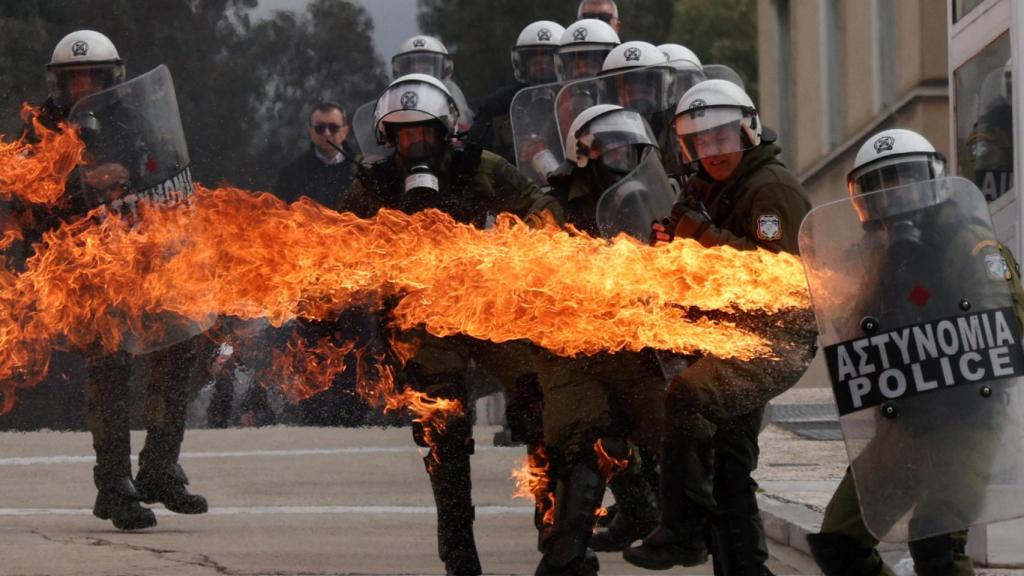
<point x="822" y="127"/>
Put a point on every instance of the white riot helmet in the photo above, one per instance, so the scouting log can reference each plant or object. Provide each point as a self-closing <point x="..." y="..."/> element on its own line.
<point x="533" y="58"/>
<point x="686" y="64"/>
<point x="716" y="118"/>
<point x="422" y="55"/>
<point x="678" y="52"/>
<point x="890" y="159"/>
<point x="83" y="62"/>
<point x="649" y="86"/>
<point x="608" y="134"/>
<point x="415" y="99"/>
<point x="583" y="48"/>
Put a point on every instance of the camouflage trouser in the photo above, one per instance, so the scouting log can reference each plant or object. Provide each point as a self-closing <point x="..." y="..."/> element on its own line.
<point x="169" y="388"/>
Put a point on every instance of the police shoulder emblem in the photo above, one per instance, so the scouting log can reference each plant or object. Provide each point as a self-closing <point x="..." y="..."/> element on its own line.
<point x="769" y="227"/>
<point x="996" y="266"/>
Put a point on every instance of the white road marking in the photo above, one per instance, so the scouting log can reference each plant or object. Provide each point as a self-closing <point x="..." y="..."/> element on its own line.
<point x="285" y="510"/>
<point x="35" y="460"/>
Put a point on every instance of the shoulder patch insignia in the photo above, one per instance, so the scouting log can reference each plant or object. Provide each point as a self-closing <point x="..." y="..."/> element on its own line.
<point x="769" y="227"/>
<point x="996" y="266"/>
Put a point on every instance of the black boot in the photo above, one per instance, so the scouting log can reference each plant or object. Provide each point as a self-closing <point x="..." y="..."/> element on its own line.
<point x="118" y="501"/>
<point x="167" y="485"/>
<point x="942" y="555"/>
<point x="636" y="515"/>
<point x="680" y="539"/>
<point x="449" y="469"/>
<point x="577" y="497"/>
<point x="740" y="548"/>
<point x="839" y="555"/>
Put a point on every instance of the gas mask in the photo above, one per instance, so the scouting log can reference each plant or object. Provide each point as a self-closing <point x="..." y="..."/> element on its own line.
<point x="419" y="150"/>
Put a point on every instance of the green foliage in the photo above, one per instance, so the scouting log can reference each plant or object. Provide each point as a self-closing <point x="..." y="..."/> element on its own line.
<point x="481" y="34"/>
<point x="720" y="32"/>
<point x="243" y="88"/>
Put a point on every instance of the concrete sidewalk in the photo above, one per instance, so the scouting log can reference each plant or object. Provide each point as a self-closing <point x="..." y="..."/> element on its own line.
<point x="798" y="476"/>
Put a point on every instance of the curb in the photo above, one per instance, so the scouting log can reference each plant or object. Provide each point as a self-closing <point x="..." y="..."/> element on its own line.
<point x="788" y="523"/>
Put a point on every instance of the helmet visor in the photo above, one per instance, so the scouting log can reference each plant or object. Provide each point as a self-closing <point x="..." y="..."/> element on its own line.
<point x="416" y="143"/>
<point x="711" y="131"/>
<point x="606" y="134"/>
<point x="430" y="63"/>
<point x="534" y="64"/>
<point x="576" y="62"/>
<point x="688" y="75"/>
<point x="414" y="102"/>
<point x="895" y="172"/>
<point x="647" y="90"/>
<point x="69" y="84"/>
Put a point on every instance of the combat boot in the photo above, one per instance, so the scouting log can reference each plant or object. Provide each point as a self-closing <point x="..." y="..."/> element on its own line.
<point x="577" y="497"/>
<point x="942" y="555"/>
<point x="167" y="485"/>
<point x="840" y="555"/>
<point x="118" y="501"/>
<point x="681" y="538"/>
<point x="637" y="513"/>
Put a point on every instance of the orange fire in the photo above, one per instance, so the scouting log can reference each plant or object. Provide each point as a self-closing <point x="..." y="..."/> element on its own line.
<point x="35" y="173"/>
<point x="230" y="252"/>
<point x="533" y="483"/>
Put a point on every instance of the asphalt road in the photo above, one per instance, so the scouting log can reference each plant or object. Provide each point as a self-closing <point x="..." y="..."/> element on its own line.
<point x="284" y="501"/>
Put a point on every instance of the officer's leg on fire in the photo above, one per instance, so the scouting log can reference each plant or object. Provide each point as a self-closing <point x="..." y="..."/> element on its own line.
<point x="577" y="415"/>
<point x="514" y="365"/>
<point x="169" y="388"/>
<point x="437" y="368"/>
<point x="107" y="396"/>
<point x="636" y="386"/>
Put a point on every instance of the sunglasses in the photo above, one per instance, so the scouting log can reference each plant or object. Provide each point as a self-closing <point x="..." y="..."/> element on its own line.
<point x="333" y="128"/>
<point x="602" y="16"/>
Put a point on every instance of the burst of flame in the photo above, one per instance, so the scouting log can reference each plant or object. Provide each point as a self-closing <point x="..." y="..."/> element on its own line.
<point x="229" y="252"/>
<point x="302" y="371"/>
<point x="35" y="173"/>
<point x="608" y="465"/>
<point x="533" y="483"/>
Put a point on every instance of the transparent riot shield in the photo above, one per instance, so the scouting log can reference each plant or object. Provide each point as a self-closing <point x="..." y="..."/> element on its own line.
<point x="535" y="132"/>
<point x="652" y="91"/>
<point x="914" y="306"/>
<point x="723" y="72"/>
<point x="366" y="134"/>
<point x="137" y="161"/>
<point x="633" y="203"/>
<point x="465" y="112"/>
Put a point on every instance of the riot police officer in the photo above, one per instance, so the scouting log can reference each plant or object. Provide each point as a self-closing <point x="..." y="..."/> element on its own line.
<point x="84" y="63"/>
<point x="595" y="407"/>
<point x="533" y="63"/>
<point x="417" y="117"/>
<point x="741" y="196"/>
<point x="896" y="186"/>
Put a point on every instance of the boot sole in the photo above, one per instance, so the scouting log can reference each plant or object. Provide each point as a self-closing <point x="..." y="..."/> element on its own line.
<point x="647" y="565"/>
<point x="103" y="514"/>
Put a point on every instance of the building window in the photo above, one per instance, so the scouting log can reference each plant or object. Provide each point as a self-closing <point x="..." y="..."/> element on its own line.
<point x="832" y="61"/>
<point x="884" y="18"/>
<point x="963" y="7"/>
<point x="984" y="119"/>
<point x="785" y="76"/>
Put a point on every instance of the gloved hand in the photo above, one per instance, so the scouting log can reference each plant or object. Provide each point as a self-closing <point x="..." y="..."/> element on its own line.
<point x="690" y="223"/>
<point x="661" y="232"/>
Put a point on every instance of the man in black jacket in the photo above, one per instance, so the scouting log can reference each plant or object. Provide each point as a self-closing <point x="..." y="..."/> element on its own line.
<point x="322" y="173"/>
